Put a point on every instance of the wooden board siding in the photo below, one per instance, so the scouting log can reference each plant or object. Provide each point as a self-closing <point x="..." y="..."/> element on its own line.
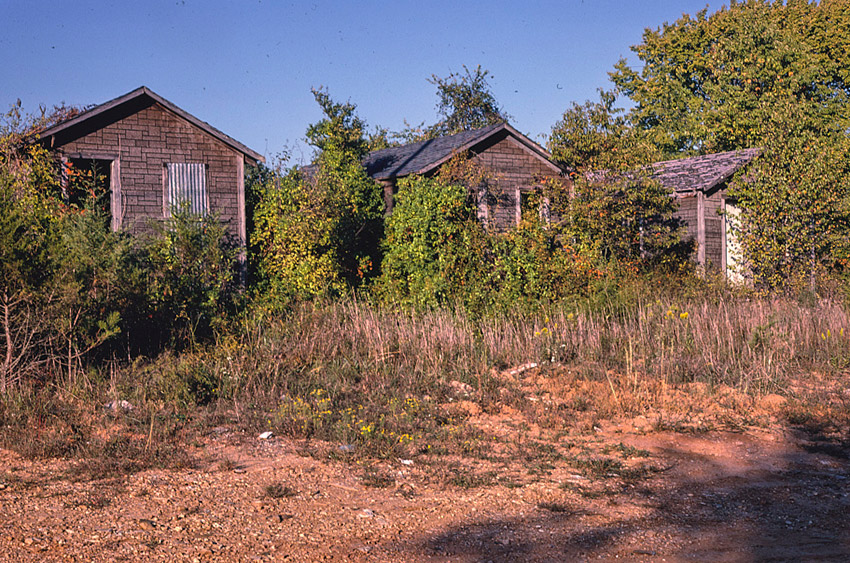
<point x="707" y="231"/>
<point x="687" y="213"/>
<point x="142" y="143"/>
<point x="714" y="250"/>
<point x="514" y="168"/>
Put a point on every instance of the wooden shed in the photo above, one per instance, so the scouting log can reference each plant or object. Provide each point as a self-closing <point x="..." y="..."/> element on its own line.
<point x="156" y="157"/>
<point x="517" y="164"/>
<point x="699" y="184"/>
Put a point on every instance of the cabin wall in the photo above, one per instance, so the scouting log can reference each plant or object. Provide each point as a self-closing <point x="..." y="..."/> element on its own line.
<point x="714" y="229"/>
<point x="687" y="213"/>
<point x="704" y="224"/>
<point x="514" y="170"/>
<point x="140" y="145"/>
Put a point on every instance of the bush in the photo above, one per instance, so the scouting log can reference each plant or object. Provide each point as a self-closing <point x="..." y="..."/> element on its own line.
<point x="316" y="234"/>
<point x="191" y="278"/>
<point x="435" y="248"/>
<point x="533" y="267"/>
<point x="437" y="253"/>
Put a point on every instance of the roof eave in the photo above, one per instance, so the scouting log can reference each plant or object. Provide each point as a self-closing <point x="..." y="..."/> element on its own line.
<point x="459" y="150"/>
<point x="539" y="151"/>
<point x="145" y="91"/>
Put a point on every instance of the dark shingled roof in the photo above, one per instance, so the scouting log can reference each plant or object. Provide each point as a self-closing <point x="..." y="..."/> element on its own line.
<point x="702" y="173"/>
<point x="425" y="156"/>
<point x="132" y="99"/>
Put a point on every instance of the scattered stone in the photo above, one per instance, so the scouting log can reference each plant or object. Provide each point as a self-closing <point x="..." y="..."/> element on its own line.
<point x="513" y="372"/>
<point x="115" y="405"/>
<point x="460" y="388"/>
<point x="266" y="435"/>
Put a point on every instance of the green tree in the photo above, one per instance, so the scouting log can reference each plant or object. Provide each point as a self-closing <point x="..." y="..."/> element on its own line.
<point x="613" y="209"/>
<point x="317" y="232"/>
<point x="711" y="82"/>
<point x="60" y="266"/>
<point x="598" y="136"/>
<point x="435" y="247"/>
<point x="293" y="241"/>
<point x="793" y="201"/>
<point x="189" y="273"/>
<point x="28" y="240"/>
<point x="531" y="264"/>
<point x="465" y="102"/>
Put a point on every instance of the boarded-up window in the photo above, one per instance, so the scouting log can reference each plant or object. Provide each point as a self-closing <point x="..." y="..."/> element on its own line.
<point x="186" y="188"/>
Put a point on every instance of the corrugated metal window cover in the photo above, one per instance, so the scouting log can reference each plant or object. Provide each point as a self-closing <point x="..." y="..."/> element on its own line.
<point x="187" y="185"/>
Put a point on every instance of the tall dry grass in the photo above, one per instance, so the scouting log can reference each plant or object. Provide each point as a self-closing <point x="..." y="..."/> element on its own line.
<point x="753" y="345"/>
<point x="351" y="371"/>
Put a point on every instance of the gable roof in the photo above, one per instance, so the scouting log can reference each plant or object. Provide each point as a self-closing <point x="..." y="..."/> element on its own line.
<point x="702" y="173"/>
<point x="137" y="99"/>
<point x="426" y="156"/>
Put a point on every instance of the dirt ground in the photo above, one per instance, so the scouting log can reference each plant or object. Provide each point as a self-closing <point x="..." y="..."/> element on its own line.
<point x="700" y="475"/>
<point x="765" y="494"/>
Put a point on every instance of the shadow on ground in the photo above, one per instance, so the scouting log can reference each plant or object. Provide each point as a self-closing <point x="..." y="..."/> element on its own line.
<point x="791" y="508"/>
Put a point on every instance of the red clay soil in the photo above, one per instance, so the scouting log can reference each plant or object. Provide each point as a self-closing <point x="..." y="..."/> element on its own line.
<point x="767" y="494"/>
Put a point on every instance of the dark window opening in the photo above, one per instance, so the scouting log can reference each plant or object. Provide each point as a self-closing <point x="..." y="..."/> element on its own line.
<point x="530" y="206"/>
<point x="527" y="205"/>
<point x="87" y="185"/>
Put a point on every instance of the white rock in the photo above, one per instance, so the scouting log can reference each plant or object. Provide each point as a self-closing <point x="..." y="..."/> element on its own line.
<point x="122" y="404"/>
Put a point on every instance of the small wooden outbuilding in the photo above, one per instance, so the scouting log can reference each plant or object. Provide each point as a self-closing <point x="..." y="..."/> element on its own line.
<point x="699" y="184"/>
<point x="517" y="165"/>
<point x="156" y="157"/>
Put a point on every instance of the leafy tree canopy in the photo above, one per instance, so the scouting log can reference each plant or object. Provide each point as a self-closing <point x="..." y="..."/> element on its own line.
<point x="710" y="83"/>
<point x="341" y="130"/>
<point x="464" y="102"/>
<point x="614" y="210"/>
<point x="598" y="136"/>
<point x="317" y="233"/>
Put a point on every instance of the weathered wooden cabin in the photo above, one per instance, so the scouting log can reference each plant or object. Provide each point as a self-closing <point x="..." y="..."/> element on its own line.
<point x="699" y="184"/>
<point x="517" y="164"/>
<point x="156" y="157"/>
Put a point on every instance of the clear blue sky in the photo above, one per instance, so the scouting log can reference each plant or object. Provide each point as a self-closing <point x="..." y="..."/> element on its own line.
<point x="247" y="67"/>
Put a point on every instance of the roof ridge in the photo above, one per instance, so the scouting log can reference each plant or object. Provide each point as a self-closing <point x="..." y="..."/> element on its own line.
<point x="702" y="172"/>
<point x="423" y="156"/>
<point x="172" y="107"/>
<point x="714" y="154"/>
